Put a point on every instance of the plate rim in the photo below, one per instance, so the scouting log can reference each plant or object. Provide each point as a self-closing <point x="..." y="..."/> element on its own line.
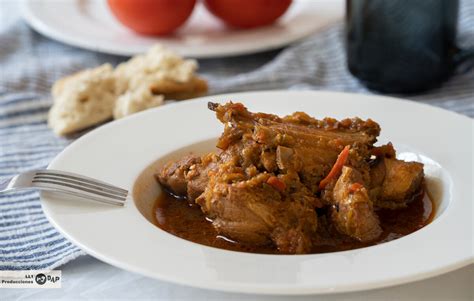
<point x="259" y="289"/>
<point x="38" y="24"/>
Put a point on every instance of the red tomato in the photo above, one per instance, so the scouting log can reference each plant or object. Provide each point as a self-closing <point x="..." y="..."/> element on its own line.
<point x="152" y="17"/>
<point x="248" y="13"/>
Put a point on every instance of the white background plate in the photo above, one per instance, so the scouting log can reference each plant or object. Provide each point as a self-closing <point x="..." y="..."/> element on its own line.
<point x="119" y="151"/>
<point x="89" y="24"/>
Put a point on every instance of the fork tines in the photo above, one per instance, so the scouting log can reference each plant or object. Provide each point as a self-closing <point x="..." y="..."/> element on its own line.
<point x="80" y="185"/>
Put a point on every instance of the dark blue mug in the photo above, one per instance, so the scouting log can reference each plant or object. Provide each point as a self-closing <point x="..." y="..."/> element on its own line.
<point x="403" y="46"/>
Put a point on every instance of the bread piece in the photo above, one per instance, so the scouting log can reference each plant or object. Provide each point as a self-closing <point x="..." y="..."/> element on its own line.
<point x="135" y="101"/>
<point x="82" y="100"/>
<point x="165" y="72"/>
<point x="95" y="95"/>
<point x="178" y="91"/>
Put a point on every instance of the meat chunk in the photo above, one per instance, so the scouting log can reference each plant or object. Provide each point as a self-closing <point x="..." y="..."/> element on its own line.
<point x="173" y="175"/>
<point x="395" y="181"/>
<point x="198" y="175"/>
<point x="188" y="177"/>
<point x="313" y="144"/>
<point x="402" y="179"/>
<point x="252" y="211"/>
<point x="353" y="212"/>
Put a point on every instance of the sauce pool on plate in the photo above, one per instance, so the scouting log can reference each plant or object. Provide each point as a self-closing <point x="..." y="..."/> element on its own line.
<point x="176" y="216"/>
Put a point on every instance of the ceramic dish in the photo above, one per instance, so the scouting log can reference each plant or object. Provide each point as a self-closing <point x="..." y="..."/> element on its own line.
<point x="119" y="152"/>
<point x="89" y="24"/>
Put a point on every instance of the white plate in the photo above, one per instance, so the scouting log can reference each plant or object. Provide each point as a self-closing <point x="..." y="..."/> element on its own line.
<point x="89" y="24"/>
<point x="118" y="152"/>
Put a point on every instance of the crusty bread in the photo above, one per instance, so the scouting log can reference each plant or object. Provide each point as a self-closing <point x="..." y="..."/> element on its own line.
<point x="82" y="100"/>
<point x="165" y="72"/>
<point x="174" y="90"/>
<point x="158" y="63"/>
<point x="96" y="95"/>
<point x="136" y="100"/>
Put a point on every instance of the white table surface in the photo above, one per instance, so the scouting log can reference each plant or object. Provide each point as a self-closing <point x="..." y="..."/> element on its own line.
<point x="89" y="278"/>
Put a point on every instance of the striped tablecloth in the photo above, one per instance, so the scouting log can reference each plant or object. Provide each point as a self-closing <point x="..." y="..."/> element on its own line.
<point x="30" y="63"/>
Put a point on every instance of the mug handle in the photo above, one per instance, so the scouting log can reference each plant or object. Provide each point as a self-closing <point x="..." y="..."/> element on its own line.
<point x="462" y="56"/>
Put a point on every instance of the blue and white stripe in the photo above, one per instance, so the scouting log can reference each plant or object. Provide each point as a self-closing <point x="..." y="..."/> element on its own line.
<point x="29" y="62"/>
<point x="27" y="239"/>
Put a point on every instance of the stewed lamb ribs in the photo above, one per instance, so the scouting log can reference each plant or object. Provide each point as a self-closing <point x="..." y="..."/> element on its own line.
<point x="272" y="173"/>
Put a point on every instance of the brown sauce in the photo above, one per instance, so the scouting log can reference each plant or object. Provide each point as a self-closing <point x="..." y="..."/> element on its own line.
<point x="176" y="216"/>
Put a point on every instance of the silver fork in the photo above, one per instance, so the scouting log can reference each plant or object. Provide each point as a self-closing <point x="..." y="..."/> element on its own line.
<point x="66" y="182"/>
